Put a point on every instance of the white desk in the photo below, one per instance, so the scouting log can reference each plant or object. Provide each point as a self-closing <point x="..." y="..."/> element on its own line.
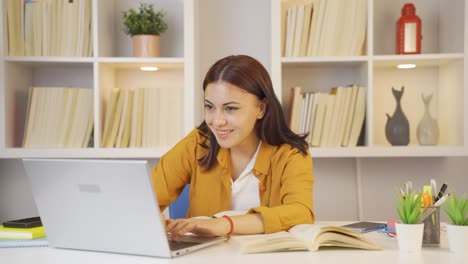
<point x="229" y="252"/>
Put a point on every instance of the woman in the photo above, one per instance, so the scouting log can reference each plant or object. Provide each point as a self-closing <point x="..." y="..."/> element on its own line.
<point x="242" y="157"/>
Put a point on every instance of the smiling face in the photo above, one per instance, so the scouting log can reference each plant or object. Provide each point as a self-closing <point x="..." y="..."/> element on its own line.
<point x="231" y="114"/>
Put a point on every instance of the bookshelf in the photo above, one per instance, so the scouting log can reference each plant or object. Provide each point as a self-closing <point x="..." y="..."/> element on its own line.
<point x="440" y="70"/>
<point x="201" y="32"/>
<point x="111" y="65"/>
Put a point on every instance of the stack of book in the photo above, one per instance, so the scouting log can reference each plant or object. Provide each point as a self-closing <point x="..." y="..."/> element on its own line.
<point x="323" y="27"/>
<point x="141" y="118"/>
<point x="49" y="28"/>
<point x="59" y="117"/>
<point x="20" y="233"/>
<point x="332" y="119"/>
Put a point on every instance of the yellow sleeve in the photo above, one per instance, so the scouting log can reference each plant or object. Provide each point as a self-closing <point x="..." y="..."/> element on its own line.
<point x="296" y="196"/>
<point x="174" y="170"/>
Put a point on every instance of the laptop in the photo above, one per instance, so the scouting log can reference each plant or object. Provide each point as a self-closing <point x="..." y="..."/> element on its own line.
<point x="103" y="205"/>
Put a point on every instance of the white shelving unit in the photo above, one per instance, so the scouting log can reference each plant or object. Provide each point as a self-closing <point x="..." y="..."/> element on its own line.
<point x="111" y="66"/>
<point x="200" y="32"/>
<point x="440" y="70"/>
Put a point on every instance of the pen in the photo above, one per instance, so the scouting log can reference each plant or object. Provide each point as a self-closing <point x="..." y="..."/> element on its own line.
<point x="441" y="192"/>
<point x="442" y="200"/>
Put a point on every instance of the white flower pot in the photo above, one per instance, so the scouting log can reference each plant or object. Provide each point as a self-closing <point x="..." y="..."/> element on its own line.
<point x="409" y="236"/>
<point x="457" y="239"/>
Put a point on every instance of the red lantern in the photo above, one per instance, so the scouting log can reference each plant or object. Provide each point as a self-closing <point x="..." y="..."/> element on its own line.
<point x="408" y="36"/>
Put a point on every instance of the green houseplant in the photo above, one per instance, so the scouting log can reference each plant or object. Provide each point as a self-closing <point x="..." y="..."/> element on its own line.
<point x="144" y="26"/>
<point x="456" y="209"/>
<point x="409" y="208"/>
<point x="409" y="231"/>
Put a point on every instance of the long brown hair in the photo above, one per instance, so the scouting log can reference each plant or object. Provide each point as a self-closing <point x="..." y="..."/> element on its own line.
<point x="248" y="74"/>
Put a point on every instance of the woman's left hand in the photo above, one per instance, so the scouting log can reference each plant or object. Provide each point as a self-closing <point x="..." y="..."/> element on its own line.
<point x="201" y="227"/>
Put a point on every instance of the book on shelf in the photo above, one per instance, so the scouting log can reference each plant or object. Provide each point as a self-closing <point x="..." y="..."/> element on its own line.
<point x="296" y="109"/>
<point x="335" y="28"/>
<point x="137" y="118"/>
<point x="306" y="29"/>
<point x="352" y="105"/>
<point x="335" y="117"/>
<point x="327" y="121"/>
<point x="359" y="115"/>
<point x="316" y="28"/>
<point x="298" y="30"/>
<point x="22" y="233"/>
<point x="48" y="28"/>
<point x="58" y="117"/>
<point x="124" y="124"/>
<point x="314" y="97"/>
<point x="344" y="117"/>
<point x="110" y="115"/>
<point x="303" y="113"/>
<point x="125" y="140"/>
<point x="319" y="116"/>
<point x="14" y="18"/>
<point x="113" y="130"/>
<point x="305" y="237"/>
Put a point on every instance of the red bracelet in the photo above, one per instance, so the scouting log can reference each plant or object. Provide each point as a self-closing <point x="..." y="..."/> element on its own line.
<point x="231" y="223"/>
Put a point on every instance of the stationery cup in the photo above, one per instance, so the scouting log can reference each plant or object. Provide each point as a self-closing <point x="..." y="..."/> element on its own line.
<point x="431" y="234"/>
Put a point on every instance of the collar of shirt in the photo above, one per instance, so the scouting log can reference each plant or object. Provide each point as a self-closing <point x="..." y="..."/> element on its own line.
<point x="261" y="166"/>
<point x="248" y="169"/>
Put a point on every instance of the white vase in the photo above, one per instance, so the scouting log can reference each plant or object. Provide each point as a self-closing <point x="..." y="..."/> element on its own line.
<point x="457" y="238"/>
<point x="409" y="237"/>
<point x="428" y="129"/>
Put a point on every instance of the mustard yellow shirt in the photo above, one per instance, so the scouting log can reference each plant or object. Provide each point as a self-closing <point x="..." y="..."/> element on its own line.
<point x="285" y="175"/>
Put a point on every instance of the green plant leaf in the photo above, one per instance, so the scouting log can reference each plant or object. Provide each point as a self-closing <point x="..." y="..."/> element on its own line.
<point x="456" y="209"/>
<point x="409" y="208"/>
<point x="146" y="21"/>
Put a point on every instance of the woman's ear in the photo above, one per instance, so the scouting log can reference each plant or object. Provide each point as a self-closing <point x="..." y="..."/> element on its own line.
<point x="262" y="107"/>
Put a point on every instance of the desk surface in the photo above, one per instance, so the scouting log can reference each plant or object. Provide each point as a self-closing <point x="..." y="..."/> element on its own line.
<point x="229" y="252"/>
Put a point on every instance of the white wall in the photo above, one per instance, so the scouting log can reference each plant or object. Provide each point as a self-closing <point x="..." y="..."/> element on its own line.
<point x="336" y="185"/>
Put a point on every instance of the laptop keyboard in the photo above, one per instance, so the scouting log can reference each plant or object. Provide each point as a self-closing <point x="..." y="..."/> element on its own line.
<point x="176" y="245"/>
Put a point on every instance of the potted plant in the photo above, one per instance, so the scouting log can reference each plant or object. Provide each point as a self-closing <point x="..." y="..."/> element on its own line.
<point x="145" y="27"/>
<point x="410" y="230"/>
<point x="457" y="231"/>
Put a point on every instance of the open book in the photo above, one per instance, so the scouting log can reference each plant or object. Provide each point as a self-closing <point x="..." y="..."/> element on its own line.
<point x="307" y="237"/>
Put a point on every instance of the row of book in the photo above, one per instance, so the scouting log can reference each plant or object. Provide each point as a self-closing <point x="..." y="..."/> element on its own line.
<point x="59" y="117"/>
<point x="141" y="118"/>
<point x="323" y="27"/>
<point x="48" y="28"/>
<point x="332" y="119"/>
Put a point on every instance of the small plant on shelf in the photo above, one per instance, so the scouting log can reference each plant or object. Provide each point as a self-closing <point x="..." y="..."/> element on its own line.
<point x="144" y="26"/>
<point x="144" y="22"/>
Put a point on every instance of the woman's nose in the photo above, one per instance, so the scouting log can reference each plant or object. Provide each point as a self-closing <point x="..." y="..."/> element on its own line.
<point x="219" y="119"/>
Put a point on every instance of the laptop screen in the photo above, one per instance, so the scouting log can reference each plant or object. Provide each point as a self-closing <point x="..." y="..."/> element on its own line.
<point x="100" y="205"/>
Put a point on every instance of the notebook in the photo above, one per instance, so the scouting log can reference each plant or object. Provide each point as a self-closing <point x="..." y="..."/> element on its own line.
<point x="11" y="243"/>
<point x="103" y="205"/>
<point x="364" y="227"/>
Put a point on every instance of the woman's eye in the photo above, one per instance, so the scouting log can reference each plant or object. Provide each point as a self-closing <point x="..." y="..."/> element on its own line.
<point x="231" y="108"/>
<point x="208" y="107"/>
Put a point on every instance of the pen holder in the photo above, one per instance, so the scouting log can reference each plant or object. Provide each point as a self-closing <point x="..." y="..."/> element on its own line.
<point x="431" y="234"/>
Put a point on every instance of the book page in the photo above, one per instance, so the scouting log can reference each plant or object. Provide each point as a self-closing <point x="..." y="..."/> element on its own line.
<point x="320" y="235"/>
<point x="274" y="242"/>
